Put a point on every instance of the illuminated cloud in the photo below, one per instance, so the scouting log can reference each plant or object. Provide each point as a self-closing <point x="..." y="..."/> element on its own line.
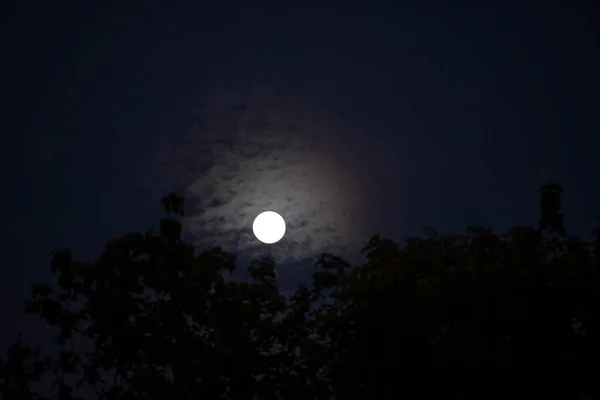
<point x="268" y="154"/>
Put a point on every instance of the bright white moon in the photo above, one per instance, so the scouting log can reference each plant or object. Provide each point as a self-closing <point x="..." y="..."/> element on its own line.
<point x="269" y="227"/>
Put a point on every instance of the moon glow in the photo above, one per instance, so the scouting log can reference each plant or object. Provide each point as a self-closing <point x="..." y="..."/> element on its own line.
<point x="269" y="227"/>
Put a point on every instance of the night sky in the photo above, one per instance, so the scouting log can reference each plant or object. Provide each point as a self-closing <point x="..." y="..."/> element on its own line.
<point x="346" y="121"/>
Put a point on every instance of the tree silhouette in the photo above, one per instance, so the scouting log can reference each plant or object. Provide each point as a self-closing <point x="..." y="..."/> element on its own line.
<point x="473" y="315"/>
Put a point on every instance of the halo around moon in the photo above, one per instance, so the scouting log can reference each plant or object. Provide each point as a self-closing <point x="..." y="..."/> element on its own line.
<point x="269" y="227"/>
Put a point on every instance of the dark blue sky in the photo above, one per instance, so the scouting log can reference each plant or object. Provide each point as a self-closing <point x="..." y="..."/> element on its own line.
<point x="355" y="121"/>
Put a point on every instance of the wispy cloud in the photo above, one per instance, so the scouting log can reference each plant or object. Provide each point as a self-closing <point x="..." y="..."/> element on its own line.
<point x="272" y="155"/>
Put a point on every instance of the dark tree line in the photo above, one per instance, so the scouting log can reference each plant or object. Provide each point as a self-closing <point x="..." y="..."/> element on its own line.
<point x="477" y="315"/>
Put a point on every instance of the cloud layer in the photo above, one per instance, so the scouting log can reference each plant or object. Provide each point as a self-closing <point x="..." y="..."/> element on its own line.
<point x="268" y="153"/>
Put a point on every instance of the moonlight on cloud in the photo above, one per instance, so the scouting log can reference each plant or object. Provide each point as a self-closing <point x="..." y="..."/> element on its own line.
<point x="275" y="154"/>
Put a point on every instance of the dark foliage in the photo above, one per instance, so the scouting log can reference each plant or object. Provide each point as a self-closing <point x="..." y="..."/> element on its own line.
<point x="476" y="315"/>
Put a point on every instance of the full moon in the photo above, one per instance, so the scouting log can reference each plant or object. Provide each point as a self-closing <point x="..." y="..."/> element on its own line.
<point x="269" y="227"/>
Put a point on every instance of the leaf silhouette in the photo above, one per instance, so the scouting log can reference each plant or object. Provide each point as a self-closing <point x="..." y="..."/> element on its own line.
<point x="473" y="315"/>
